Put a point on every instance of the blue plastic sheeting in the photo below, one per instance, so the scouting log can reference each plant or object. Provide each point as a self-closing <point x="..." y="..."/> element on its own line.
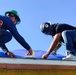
<point x="38" y="54"/>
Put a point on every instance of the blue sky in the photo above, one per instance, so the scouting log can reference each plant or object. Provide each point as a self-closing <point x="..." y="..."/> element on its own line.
<point x="33" y="13"/>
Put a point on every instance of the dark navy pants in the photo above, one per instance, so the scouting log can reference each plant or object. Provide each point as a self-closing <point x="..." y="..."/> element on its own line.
<point x="5" y="37"/>
<point x="69" y="37"/>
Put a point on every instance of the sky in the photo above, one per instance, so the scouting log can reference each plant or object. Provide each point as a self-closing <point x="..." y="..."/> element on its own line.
<point x="32" y="13"/>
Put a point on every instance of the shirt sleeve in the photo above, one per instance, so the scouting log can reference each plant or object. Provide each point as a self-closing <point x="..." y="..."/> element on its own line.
<point x="4" y="48"/>
<point x="12" y="28"/>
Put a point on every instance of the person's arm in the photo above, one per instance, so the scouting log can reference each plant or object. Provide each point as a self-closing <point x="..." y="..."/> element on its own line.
<point x="19" y="38"/>
<point x="4" y="48"/>
<point x="53" y="45"/>
<point x="6" y="51"/>
<point x="12" y="28"/>
<point x="58" y="46"/>
<point x="54" y="52"/>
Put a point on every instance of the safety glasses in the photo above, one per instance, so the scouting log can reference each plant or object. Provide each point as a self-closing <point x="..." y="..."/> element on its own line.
<point x="10" y="14"/>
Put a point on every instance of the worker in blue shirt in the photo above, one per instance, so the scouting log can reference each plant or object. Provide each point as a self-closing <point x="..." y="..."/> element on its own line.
<point x="8" y="29"/>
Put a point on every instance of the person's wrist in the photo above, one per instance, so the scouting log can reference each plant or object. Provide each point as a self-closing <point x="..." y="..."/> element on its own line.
<point x="7" y="53"/>
<point x="47" y="53"/>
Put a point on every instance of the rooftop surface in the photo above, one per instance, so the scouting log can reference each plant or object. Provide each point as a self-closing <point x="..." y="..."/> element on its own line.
<point x="20" y="62"/>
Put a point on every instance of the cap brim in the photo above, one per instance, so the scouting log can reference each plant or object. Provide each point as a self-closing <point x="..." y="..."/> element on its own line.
<point x="14" y="14"/>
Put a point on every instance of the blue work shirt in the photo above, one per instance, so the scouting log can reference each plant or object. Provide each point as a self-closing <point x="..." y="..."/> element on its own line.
<point x="9" y="25"/>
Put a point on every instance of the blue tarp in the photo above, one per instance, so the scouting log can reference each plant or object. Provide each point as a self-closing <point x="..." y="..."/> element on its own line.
<point x="38" y="54"/>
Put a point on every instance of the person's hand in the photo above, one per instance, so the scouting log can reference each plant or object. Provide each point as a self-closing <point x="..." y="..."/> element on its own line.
<point x="44" y="56"/>
<point x="31" y="52"/>
<point x="11" y="54"/>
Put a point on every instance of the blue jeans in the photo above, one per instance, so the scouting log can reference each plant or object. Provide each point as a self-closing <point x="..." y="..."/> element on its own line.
<point x="69" y="36"/>
<point x="5" y="37"/>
